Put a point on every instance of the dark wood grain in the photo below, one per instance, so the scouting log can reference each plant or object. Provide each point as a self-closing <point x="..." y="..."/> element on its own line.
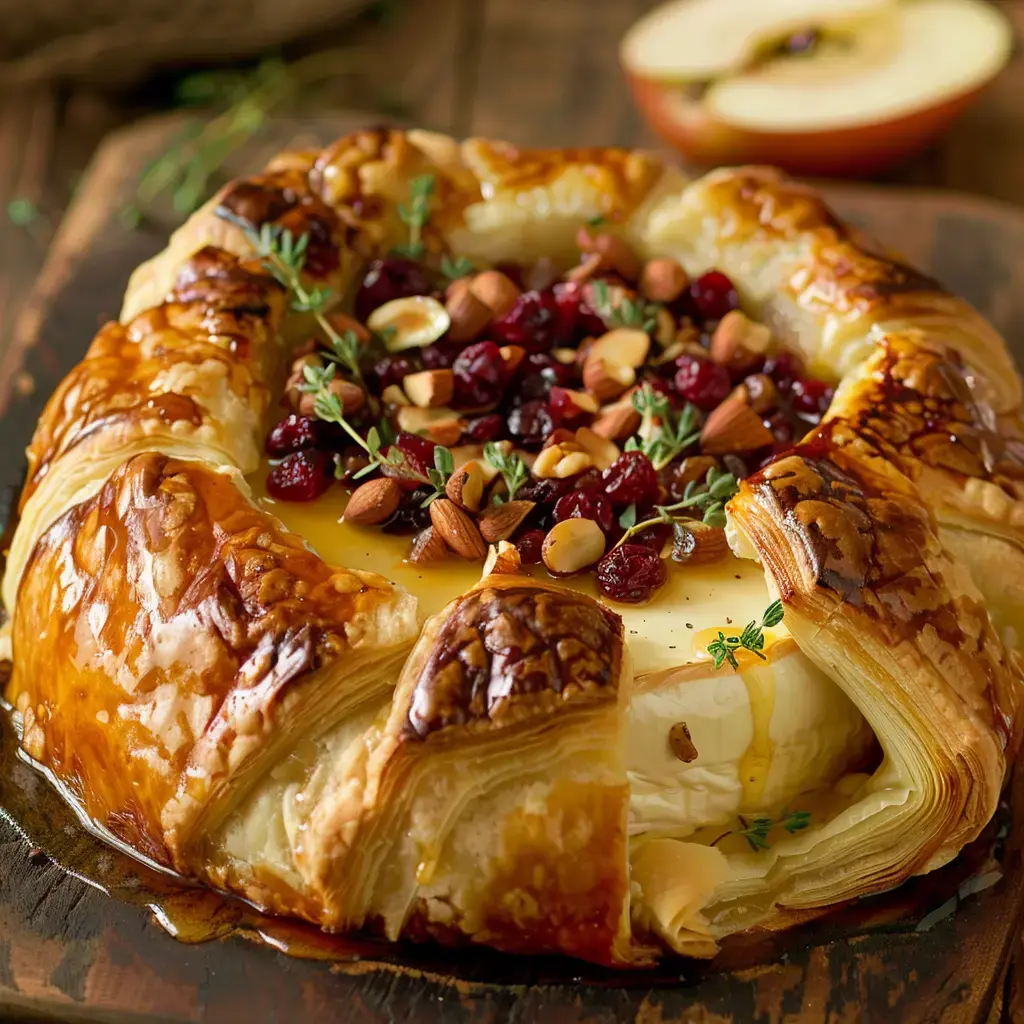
<point x="69" y="952"/>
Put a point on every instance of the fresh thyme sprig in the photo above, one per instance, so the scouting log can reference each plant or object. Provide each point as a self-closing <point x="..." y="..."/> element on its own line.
<point x="708" y="496"/>
<point x="439" y="473"/>
<point x="415" y="215"/>
<point x="284" y="255"/>
<point x="627" y="313"/>
<point x="512" y="469"/>
<point x="756" y="830"/>
<point x="664" y="434"/>
<point x="455" y="267"/>
<point x="723" y="648"/>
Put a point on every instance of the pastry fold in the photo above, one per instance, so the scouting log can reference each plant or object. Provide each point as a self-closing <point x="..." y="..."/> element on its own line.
<point x="221" y="700"/>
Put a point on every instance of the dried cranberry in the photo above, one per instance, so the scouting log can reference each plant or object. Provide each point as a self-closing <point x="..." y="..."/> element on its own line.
<point x="631" y="480"/>
<point x="302" y="476"/>
<point x="810" y="397"/>
<point x="631" y="573"/>
<point x="293" y="434"/>
<point x="780" y="427"/>
<point x="531" y="323"/>
<point x="529" y="547"/>
<point x="576" y="317"/>
<point x="441" y="355"/>
<point x="486" y="428"/>
<point x="390" y="370"/>
<point x="410" y="516"/>
<point x="479" y="375"/>
<point x="701" y="381"/>
<point x="418" y="451"/>
<point x="581" y="505"/>
<point x="541" y="372"/>
<point x="565" y="407"/>
<point x="531" y="423"/>
<point x="783" y="368"/>
<point x="591" y="480"/>
<point x="713" y="295"/>
<point x="389" y="279"/>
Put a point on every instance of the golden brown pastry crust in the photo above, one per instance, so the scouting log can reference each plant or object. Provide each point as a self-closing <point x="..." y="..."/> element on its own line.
<point x="161" y="621"/>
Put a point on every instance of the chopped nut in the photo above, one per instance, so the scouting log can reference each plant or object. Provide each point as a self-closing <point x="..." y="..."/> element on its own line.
<point x="458" y="287"/>
<point x="572" y="544"/>
<point x="394" y="395"/>
<point x="411" y="322"/>
<point x="373" y="502"/>
<point x="698" y="544"/>
<point x="617" y="421"/>
<point x="665" y="327"/>
<point x="503" y="560"/>
<point x="605" y="379"/>
<point x="694" y="468"/>
<point x="495" y="290"/>
<point x="738" y="342"/>
<point x="615" y="252"/>
<point x="442" y="425"/>
<point x="566" y="356"/>
<point x="583" y="402"/>
<point x="468" y="315"/>
<point x="680" y="743"/>
<point x="466" y="486"/>
<point x="429" y="388"/>
<point x="586" y="268"/>
<point x="342" y="322"/>
<point x="602" y="451"/>
<point x="547" y="461"/>
<point x="351" y="396"/>
<point x="512" y="356"/>
<point x="427" y="547"/>
<point x="457" y="530"/>
<point x="626" y="346"/>
<point x="663" y="280"/>
<point x="571" y="464"/>
<point x="733" y="427"/>
<point x="499" y="522"/>
<point x="761" y="393"/>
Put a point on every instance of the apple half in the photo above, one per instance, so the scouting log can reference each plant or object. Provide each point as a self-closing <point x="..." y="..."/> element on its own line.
<point x="814" y="86"/>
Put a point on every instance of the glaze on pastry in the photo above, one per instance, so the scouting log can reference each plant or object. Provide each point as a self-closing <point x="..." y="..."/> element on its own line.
<point x="349" y="722"/>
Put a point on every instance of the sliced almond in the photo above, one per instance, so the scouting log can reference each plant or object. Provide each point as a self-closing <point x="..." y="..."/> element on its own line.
<point x="466" y="487"/>
<point x="572" y="544"/>
<point x="427" y="548"/>
<point x="605" y="379"/>
<point x="429" y="388"/>
<point x="733" y="427"/>
<point x="499" y="522"/>
<point x="442" y="425"/>
<point x="457" y="530"/>
<point x="739" y="342"/>
<point x="411" y="322"/>
<point x="373" y="502"/>
<point x="495" y="290"/>
<point x="617" y="421"/>
<point x="502" y="560"/>
<point x="468" y="315"/>
<point x="626" y="346"/>
<point x="602" y="451"/>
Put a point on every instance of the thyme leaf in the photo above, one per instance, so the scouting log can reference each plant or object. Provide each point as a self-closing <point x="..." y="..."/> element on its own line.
<point x="512" y="468"/>
<point x="415" y="215"/>
<point x="723" y="648"/>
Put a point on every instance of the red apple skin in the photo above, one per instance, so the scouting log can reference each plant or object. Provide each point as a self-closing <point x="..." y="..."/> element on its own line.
<point x="846" y="152"/>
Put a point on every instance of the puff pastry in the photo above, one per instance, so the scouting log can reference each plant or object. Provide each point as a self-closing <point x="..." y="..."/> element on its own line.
<point x="230" y="704"/>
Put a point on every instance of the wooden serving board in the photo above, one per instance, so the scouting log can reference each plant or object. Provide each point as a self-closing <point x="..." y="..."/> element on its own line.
<point x="70" y="952"/>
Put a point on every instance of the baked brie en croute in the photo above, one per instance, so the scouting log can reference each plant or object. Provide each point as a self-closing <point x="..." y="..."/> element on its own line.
<point x="533" y="548"/>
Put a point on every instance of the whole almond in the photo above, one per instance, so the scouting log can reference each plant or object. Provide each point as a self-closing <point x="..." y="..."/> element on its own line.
<point x="343" y="323"/>
<point x="351" y="396"/>
<point x="499" y="522"/>
<point x="468" y="314"/>
<point x="733" y="427"/>
<point x="698" y="544"/>
<point x="429" y="388"/>
<point x="373" y="502"/>
<point x="738" y="342"/>
<point x="496" y="291"/>
<point x="663" y="280"/>
<point x="457" y="530"/>
<point x="762" y="393"/>
<point x="427" y="548"/>
<point x="466" y="487"/>
<point x="627" y="346"/>
<point x="572" y="544"/>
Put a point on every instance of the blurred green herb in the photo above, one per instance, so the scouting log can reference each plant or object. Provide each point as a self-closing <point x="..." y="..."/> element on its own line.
<point x="415" y="215"/>
<point x="22" y="212"/>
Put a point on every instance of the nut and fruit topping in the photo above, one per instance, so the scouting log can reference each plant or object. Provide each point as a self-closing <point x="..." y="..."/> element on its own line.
<point x="598" y="421"/>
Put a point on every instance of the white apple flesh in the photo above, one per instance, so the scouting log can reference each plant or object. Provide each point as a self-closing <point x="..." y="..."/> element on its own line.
<point x="899" y="75"/>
